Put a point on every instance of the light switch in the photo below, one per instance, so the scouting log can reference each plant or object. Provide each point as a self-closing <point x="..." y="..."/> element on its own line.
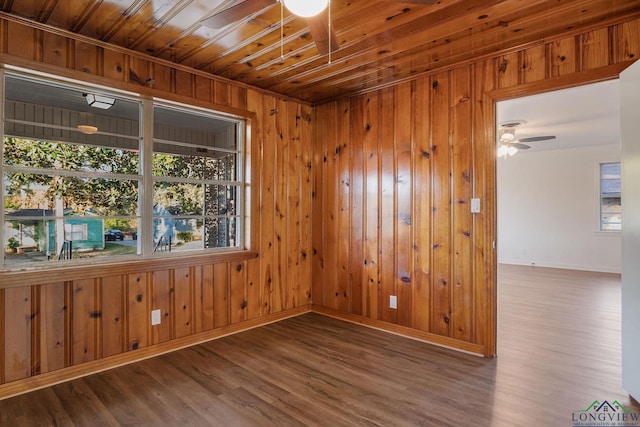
<point x="475" y="205"/>
<point x="155" y="317"/>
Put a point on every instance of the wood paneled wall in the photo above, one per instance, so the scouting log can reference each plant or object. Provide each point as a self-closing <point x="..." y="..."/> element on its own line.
<point x="394" y="174"/>
<point x="59" y="324"/>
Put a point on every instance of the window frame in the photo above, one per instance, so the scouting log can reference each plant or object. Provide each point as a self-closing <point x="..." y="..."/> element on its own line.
<point x="145" y="177"/>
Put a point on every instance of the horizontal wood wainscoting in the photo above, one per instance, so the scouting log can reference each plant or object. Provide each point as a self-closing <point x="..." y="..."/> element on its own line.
<point x="394" y="174"/>
<point x="56" y="325"/>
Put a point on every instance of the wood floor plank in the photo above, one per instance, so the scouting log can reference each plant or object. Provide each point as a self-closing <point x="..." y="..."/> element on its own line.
<point x="558" y="351"/>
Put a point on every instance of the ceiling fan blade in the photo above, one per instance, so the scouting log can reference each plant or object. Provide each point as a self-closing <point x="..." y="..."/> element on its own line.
<point x="319" y="29"/>
<point x="536" y="138"/>
<point x="520" y="146"/>
<point x="236" y="13"/>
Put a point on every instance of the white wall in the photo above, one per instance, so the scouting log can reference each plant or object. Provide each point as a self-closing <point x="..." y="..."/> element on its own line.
<point x="548" y="210"/>
<point x="630" y="111"/>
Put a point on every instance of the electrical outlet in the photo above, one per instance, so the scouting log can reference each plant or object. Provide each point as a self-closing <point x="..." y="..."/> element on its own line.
<point x="156" y="317"/>
<point x="393" y="301"/>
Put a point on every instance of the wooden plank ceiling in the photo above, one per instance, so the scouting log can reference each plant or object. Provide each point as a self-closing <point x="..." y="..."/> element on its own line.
<point x="379" y="41"/>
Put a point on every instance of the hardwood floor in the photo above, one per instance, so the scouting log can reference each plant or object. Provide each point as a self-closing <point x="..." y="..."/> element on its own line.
<point x="559" y="350"/>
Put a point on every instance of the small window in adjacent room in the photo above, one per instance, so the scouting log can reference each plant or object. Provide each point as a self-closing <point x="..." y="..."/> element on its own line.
<point x="610" y="197"/>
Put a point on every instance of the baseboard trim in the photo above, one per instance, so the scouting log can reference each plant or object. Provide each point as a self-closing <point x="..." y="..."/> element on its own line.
<point x="58" y="376"/>
<point x="429" y="338"/>
<point x="69" y="373"/>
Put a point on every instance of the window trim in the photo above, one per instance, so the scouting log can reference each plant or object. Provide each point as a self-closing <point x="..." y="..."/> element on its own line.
<point x="243" y="121"/>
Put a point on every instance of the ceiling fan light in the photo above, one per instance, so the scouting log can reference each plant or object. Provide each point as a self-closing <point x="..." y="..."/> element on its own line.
<point x="512" y="150"/>
<point x="503" y="150"/>
<point x="306" y="8"/>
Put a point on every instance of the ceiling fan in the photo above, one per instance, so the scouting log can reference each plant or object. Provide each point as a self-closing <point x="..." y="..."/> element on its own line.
<point x="509" y="145"/>
<point x="323" y="34"/>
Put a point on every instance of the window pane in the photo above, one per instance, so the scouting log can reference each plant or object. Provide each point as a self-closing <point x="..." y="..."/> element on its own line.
<point x="610" y="200"/>
<point x="78" y="196"/>
<point x="50" y="238"/>
<point x="71" y="172"/>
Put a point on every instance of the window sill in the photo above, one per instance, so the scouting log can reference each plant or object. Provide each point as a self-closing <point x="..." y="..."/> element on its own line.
<point x="15" y="278"/>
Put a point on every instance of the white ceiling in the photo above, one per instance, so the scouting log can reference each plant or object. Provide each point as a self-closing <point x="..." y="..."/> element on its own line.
<point x="581" y="116"/>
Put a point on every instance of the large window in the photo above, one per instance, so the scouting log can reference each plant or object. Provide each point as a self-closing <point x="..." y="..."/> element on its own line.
<point x="73" y="162"/>
<point x="610" y="197"/>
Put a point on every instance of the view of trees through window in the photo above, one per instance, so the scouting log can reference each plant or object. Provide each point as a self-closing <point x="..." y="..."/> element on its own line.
<point x="73" y="176"/>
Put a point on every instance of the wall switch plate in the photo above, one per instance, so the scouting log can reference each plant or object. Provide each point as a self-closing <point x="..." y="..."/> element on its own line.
<point x="156" y="317"/>
<point x="475" y="205"/>
<point x="393" y="301"/>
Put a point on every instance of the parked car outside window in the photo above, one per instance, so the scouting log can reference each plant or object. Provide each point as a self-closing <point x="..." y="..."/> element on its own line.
<point x="112" y="235"/>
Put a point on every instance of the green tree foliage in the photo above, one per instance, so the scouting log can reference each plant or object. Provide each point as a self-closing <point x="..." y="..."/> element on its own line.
<point x="103" y="196"/>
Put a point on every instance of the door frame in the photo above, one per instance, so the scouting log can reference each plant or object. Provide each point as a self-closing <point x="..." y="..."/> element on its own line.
<point x="489" y="100"/>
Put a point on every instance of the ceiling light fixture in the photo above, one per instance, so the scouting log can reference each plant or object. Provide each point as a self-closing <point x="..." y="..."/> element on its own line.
<point x="87" y="129"/>
<point x="506" y="150"/>
<point x="99" y="101"/>
<point x="306" y="8"/>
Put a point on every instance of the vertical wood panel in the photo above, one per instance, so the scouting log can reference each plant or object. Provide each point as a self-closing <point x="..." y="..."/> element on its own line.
<point x="238" y="97"/>
<point x="203" y="88"/>
<point x="162" y="77"/>
<point x="330" y="209"/>
<point x="54" y="49"/>
<point x="161" y="299"/>
<point x="595" y="49"/>
<point x="356" y="212"/>
<point x="207" y="297"/>
<point x="197" y="299"/>
<point x="484" y="167"/>
<point x="221" y="294"/>
<point x="534" y="64"/>
<point x="441" y="199"/>
<point x="563" y="57"/>
<point x="267" y="203"/>
<point x="305" y="278"/>
<point x="27" y="36"/>
<point x="184" y="83"/>
<point x="221" y="93"/>
<point x="238" y="292"/>
<point x="113" y="315"/>
<point x="371" y="274"/>
<point x="254" y="292"/>
<point x="422" y="205"/>
<point x="86" y="57"/>
<point x="52" y="314"/>
<point x="342" y="171"/>
<point x="317" y="203"/>
<point x="628" y="41"/>
<point x="17" y="333"/>
<point x="114" y="65"/>
<point x="403" y="195"/>
<point x="279" y="291"/>
<point x="138" y="313"/>
<point x="461" y="285"/>
<point x="509" y="69"/>
<point x="85" y="318"/>
<point x="293" y="205"/>
<point x="387" y="224"/>
<point x="183" y="302"/>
